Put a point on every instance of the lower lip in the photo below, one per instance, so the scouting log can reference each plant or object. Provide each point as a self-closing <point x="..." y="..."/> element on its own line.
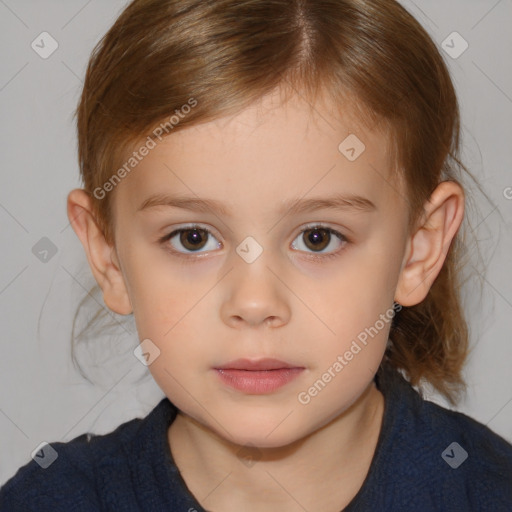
<point x="258" y="382"/>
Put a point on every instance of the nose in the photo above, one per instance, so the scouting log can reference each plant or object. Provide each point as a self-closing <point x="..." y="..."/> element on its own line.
<point x="255" y="296"/>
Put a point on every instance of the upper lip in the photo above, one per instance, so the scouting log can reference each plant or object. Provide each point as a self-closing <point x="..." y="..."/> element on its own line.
<point x="254" y="365"/>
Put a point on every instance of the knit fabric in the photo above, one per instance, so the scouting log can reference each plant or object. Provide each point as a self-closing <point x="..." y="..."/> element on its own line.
<point x="428" y="458"/>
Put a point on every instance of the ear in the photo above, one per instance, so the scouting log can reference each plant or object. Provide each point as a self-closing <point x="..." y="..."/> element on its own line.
<point x="101" y="256"/>
<point x="428" y="246"/>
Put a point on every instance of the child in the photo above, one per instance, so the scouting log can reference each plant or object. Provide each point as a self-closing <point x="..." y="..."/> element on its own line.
<point x="271" y="188"/>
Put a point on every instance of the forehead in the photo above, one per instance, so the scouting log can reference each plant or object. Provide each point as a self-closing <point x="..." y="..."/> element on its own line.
<point x="267" y="153"/>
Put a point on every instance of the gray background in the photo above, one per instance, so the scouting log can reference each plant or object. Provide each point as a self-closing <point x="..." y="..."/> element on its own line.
<point x="43" y="397"/>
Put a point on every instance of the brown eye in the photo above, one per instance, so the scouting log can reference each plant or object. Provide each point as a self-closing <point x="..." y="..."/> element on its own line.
<point x="189" y="240"/>
<point x="193" y="239"/>
<point x="317" y="239"/>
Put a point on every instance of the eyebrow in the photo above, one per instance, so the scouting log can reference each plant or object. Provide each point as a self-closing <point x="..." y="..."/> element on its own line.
<point x="292" y="207"/>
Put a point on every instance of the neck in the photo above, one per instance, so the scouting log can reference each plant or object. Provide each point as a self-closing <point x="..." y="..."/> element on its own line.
<point x="322" y="471"/>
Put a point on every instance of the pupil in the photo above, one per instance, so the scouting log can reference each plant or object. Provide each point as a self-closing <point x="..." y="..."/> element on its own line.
<point x="318" y="238"/>
<point x="192" y="238"/>
<point x="315" y="237"/>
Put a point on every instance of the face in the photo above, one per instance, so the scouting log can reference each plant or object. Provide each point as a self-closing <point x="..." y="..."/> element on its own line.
<point x="253" y="277"/>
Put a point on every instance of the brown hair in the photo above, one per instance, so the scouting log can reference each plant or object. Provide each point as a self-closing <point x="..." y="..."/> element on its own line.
<point x="226" y="54"/>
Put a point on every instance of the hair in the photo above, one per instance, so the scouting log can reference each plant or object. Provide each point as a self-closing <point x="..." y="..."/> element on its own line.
<point x="224" y="55"/>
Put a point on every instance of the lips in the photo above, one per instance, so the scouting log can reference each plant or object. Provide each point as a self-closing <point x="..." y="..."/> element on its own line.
<point x="258" y="365"/>
<point x="258" y="377"/>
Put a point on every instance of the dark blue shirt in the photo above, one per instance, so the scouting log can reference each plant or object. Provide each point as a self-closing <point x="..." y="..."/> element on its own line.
<point x="428" y="458"/>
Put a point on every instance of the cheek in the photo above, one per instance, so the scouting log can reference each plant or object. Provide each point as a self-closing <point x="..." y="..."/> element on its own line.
<point x="164" y="292"/>
<point x="175" y="317"/>
<point x="171" y="317"/>
<point x="354" y="310"/>
<point x="353" y="296"/>
<point x="179" y="337"/>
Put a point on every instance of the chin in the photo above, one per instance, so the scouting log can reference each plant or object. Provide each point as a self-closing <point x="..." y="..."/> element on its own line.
<point x="271" y="432"/>
<point x="259" y="440"/>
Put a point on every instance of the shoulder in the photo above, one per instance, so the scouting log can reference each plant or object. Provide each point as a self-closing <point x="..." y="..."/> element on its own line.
<point x="58" y="470"/>
<point x="470" y="464"/>
<point x="62" y="474"/>
<point x="449" y="458"/>
<point x="473" y="447"/>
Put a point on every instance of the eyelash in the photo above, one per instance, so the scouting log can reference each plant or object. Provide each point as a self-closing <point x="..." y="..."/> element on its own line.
<point x="318" y="256"/>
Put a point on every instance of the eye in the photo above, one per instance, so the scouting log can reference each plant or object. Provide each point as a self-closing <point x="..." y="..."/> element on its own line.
<point x="194" y="239"/>
<point x="319" y="238"/>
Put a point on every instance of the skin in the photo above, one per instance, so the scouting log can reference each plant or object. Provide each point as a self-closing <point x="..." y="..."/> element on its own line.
<point x="205" y="310"/>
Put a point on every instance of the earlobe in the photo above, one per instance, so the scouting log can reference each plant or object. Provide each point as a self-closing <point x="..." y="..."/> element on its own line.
<point x="428" y="246"/>
<point x="106" y="271"/>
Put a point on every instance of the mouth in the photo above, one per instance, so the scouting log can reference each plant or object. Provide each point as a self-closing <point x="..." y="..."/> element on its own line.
<point x="258" y="377"/>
